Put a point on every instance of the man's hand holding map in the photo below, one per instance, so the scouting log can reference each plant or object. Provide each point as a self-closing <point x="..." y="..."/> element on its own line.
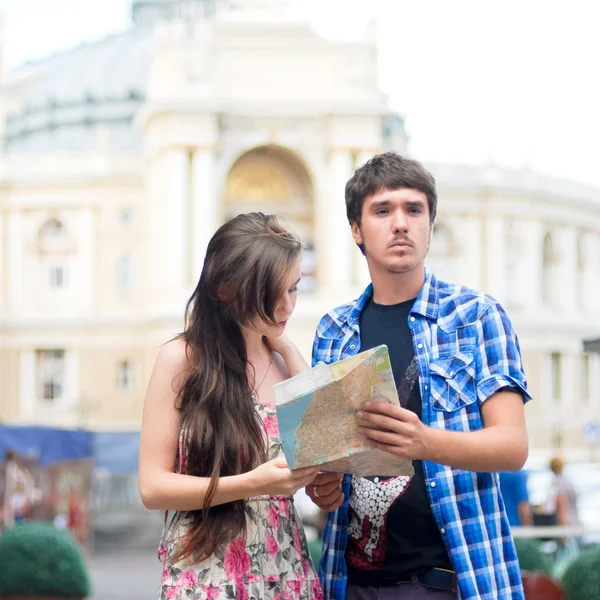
<point x="316" y="412"/>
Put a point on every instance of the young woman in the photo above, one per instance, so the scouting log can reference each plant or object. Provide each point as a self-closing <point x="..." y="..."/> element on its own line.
<point x="210" y="449"/>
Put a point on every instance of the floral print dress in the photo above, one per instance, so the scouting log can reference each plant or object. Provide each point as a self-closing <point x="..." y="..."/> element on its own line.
<point x="271" y="562"/>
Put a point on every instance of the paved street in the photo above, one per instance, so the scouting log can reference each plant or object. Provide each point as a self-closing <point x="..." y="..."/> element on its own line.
<point x="125" y="575"/>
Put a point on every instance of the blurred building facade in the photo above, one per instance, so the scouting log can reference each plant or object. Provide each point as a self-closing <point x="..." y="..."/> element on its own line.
<point x="120" y="158"/>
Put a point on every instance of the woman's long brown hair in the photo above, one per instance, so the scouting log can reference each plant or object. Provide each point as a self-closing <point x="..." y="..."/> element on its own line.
<point x="245" y="272"/>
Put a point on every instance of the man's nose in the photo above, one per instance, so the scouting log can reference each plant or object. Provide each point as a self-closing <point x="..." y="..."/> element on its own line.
<point x="399" y="224"/>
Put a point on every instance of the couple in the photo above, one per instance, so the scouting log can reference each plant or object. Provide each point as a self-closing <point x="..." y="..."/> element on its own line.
<point x="210" y="450"/>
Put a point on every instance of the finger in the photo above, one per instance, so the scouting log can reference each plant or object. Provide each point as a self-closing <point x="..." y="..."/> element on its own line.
<point x="330" y="498"/>
<point x="371" y="421"/>
<point x="306" y="471"/>
<point x="325" y="478"/>
<point x="385" y="437"/>
<point x="395" y="450"/>
<point x="327" y="488"/>
<point x="388" y="409"/>
<point x="333" y="506"/>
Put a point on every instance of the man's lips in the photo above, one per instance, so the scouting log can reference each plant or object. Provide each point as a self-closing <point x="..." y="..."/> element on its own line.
<point x="401" y="244"/>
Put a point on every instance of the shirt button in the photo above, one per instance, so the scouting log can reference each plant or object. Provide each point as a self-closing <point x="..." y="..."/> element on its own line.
<point x="419" y="346"/>
<point x="340" y="575"/>
<point x="442" y="531"/>
<point x="426" y="387"/>
<point x="376" y="479"/>
<point x="352" y="346"/>
<point x="412" y="319"/>
<point x="451" y="373"/>
<point x="433" y="484"/>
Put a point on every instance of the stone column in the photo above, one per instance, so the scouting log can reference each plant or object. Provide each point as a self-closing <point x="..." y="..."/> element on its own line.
<point x="338" y="240"/>
<point x="204" y="209"/>
<point x="494" y="274"/>
<point x="591" y="280"/>
<point x="176" y="218"/>
<point x="470" y="266"/>
<point x="533" y="241"/>
<point x="86" y="272"/>
<point x="15" y="236"/>
<point x="167" y="224"/>
<point x="565" y="244"/>
<point x="361" y="269"/>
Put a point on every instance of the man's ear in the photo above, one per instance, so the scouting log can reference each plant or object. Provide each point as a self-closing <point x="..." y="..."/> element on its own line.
<point x="356" y="233"/>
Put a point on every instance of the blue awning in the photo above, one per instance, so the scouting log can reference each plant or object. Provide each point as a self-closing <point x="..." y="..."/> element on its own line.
<point x="116" y="452"/>
<point x="46" y="444"/>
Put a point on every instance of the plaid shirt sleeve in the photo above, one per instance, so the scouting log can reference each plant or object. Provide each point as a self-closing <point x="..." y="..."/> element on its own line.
<point x="499" y="359"/>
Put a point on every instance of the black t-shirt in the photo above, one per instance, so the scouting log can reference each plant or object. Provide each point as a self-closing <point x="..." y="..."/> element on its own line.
<point x="392" y="529"/>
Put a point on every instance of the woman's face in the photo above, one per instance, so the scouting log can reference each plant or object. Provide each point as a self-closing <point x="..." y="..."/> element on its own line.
<point x="283" y="308"/>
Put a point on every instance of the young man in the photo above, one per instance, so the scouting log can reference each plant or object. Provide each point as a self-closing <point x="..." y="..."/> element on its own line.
<point x="443" y="533"/>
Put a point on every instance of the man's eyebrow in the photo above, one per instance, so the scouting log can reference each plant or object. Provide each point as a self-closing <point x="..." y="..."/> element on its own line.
<point x="380" y="204"/>
<point x="415" y="203"/>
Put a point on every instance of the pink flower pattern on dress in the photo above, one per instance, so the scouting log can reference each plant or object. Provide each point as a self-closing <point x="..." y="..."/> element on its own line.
<point x="172" y="591"/>
<point x="283" y="506"/>
<point x="188" y="579"/>
<point x="270" y="563"/>
<point x="271" y="545"/>
<point x="273" y="516"/>
<point x="237" y="561"/>
<point x="271" y="426"/>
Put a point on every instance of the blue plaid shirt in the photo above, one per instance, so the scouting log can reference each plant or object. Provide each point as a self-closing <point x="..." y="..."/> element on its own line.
<point x="466" y="350"/>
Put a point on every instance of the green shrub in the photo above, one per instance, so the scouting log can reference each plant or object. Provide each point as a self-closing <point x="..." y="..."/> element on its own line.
<point x="581" y="580"/>
<point x="39" y="560"/>
<point x="531" y="558"/>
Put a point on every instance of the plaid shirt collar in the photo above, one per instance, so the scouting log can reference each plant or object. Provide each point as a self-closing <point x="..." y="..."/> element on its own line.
<point x="425" y="305"/>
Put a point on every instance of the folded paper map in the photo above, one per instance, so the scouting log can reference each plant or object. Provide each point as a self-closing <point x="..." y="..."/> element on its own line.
<point x="316" y="413"/>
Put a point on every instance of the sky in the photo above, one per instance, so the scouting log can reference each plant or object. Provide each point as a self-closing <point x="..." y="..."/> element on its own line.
<point x="513" y="83"/>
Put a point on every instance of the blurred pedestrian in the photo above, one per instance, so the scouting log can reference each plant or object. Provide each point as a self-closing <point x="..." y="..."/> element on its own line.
<point x="562" y="498"/>
<point x="513" y="486"/>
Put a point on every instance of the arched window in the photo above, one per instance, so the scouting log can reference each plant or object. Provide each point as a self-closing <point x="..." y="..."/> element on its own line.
<point x="53" y="248"/>
<point x="548" y="262"/>
<point x="52" y="230"/>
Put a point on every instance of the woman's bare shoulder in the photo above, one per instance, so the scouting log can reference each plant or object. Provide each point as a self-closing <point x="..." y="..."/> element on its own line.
<point x="174" y="356"/>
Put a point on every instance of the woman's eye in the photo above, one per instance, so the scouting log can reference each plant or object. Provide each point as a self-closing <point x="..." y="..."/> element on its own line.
<point x="294" y="289"/>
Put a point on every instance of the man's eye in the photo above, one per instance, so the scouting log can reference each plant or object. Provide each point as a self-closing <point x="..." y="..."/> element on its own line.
<point x="294" y="289"/>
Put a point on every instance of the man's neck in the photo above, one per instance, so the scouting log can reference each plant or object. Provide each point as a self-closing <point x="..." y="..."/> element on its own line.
<point x="393" y="288"/>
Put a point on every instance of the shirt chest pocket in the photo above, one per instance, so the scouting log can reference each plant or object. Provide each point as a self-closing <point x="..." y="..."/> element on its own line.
<point x="453" y="381"/>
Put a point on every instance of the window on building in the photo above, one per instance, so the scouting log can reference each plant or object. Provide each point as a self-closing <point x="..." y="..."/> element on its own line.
<point x="50" y="374"/>
<point x="556" y="376"/>
<point x="52" y="229"/>
<point x="57" y="277"/>
<point x="124" y="274"/>
<point x="125" y="375"/>
<point x="548" y="262"/>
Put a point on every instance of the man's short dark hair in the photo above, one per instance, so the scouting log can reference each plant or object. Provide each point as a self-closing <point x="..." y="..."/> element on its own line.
<point x="388" y="171"/>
